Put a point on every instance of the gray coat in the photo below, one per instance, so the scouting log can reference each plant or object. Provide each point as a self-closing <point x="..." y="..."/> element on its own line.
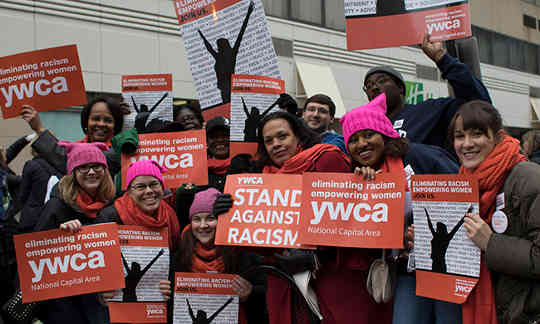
<point x="514" y="256"/>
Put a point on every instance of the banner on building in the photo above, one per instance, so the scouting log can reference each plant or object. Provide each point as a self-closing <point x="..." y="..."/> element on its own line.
<point x="183" y="154"/>
<point x="46" y="79"/>
<point x="344" y="210"/>
<point x="224" y="37"/>
<point x="204" y="298"/>
<point x="266" y="211"/>
<point x="388" y="23"/>
<point x="145" y="257"/>
<point x="150" y="101"/>
<point x="447" y="261"/>
<point x="55" y="264"/>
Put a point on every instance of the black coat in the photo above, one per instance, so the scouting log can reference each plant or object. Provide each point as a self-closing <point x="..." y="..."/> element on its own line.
<point x="56" y="212"/>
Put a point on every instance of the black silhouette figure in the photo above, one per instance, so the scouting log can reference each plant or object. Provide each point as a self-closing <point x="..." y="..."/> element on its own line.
<point x="134" y="276"/>
<point x="390" y="7"/>
<point x="441" y="240"/>
<point x="226" y="58"/>
<point x="201" y="315"/>
<point x="143" y="113"/>
<point x="252" y="120"/>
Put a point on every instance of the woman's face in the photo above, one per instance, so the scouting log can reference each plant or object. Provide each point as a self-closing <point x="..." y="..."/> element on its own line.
<point x="367" y="148"/>
<point x="188" y="119"/>
<point x="472" y="145"/>
<point x="89" y="176"/>
<point x="203" y="226"/>
<point x="146" y="192"/>
<point x="217" y="141"/>
<point x="279" y="140"/>
<point x="100" y="123"/>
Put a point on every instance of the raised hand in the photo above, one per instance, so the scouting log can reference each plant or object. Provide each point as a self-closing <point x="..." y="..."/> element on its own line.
<point x="434" y="50"/>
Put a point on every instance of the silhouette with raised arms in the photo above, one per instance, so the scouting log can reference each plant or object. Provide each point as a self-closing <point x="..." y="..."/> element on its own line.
<point x="201" y="315"/>
<point x="441" y="241"/>
<point x="134" y="276"/>
<point x="143" y="113"/>
<point x="225" y="57"/>
<point x="252" y="120"/>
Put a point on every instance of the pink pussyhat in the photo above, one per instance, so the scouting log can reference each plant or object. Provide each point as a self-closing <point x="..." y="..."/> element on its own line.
<point x="147" y="168"/>
<point x="203" y="202"/>
<point x="371" y="116"/>
<point x="83" y="153"/>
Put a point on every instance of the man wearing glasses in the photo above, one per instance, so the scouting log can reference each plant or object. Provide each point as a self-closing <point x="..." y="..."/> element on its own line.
<point x="425" y="122"/>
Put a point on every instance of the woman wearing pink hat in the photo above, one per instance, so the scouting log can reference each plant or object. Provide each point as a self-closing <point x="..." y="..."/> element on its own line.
<point x="375" y="147"/>
<point x="198" y="253"/>
<point x="76" y="201"/>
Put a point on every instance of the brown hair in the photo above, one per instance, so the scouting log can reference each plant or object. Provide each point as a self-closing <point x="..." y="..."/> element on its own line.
<point x="476" y="114"/>
<point x="323" y="100"/>
<point x="532" y="138"/>
<point x="69" y="188"/>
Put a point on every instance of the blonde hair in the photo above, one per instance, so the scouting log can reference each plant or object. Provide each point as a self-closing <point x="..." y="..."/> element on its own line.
<point x="69" y="188"/>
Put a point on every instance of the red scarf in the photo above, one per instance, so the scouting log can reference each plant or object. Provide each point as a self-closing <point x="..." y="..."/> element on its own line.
<point x="304" y="160"/>
<point x="218" y="166"/>
<point x="204" y="259"/>
<point x="88" y="205"/>
<point x="491" y="174"/>
<point x="131" y="214"/>
<point x="85" y="140"/>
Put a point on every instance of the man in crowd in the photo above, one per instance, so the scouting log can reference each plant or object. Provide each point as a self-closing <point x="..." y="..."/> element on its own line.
<point x="426" y="122"/>
<point x="318" y="114"/>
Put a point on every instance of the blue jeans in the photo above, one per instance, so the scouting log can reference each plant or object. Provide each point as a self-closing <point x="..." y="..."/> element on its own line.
<point x="412" y="309"/>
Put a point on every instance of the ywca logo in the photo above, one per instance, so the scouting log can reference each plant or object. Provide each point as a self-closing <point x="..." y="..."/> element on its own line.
<point x="155" y="310"/>
<point x="463" y="288"/>
<point x="250" y="180"/>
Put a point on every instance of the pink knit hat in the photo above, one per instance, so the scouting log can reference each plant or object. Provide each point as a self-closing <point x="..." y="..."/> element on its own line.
<point x="371" y="116"/>
<point x="203" y="202"/>
<point x="146" y="168"/>
<point x="83" y="153"/>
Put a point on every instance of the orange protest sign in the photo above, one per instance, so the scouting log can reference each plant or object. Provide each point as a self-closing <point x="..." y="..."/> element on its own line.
<point x="204" y="298"/>
<point x="55" y="264"/>
<point x="183" y="154"/>
<point x="447" y="261"/>
<point x="146" y="82"/>
<point x="385" y="23"/>
<point x="344" y="210"/>
<point x="266" y="211"/>
<point x="46" y="79"/>
<point x="145" y="255"/>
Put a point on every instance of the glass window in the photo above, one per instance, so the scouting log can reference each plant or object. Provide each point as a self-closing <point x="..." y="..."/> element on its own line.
<point x="276" y="8"/>
<point x="531" y="59"/>
<point x="335" y="14"/>
<point x="484" y="44"/>
<point x="517" y="51"/>
<point x="501" y="50"/>
<point x="307" y="10"/>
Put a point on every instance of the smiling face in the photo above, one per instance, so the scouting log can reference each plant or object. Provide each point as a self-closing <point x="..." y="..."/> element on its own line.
<point x="146" y="192"/>
<point x="218" y="143"/>
<point x="367" y="148"/>
<point x="279" y="140"/>
<point x="317" y="116"/>
<point x="203" y="226"/>
<point x="100" y="123"/>
<point x="89" y="176"/>
<point x="188" y="119"/>
<point x="473" y="145"/>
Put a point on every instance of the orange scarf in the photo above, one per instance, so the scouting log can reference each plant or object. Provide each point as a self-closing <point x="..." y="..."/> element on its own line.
<point x="491" y="174"/>
<point x="131" y="214"/>
<point x="85" y="140"/>
<point x="218" y="166"/>
<point x="203" y="259"/>
<point x="88" y="205"/>
<point x="304" y="160"/>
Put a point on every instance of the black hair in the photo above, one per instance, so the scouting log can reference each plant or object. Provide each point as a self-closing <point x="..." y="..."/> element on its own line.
<point x="113" y="106"/>
<point x="305" y="135"/>
<point x="323" y="100"/>
<point x="477" y="114"/>
<point x="395" y="147"/>
<point x="193" y="106"/>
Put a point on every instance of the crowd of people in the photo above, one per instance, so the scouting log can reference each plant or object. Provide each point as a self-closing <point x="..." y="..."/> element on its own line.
<point x="69" y="185"/>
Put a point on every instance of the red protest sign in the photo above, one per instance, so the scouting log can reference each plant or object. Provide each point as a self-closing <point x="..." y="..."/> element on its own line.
<point x="266" y="211"/>
<point x="146" y="82"/>
<point x="55" y="264"/>
<point x="447" y="261"/>
<point x="46" y="79"/>
<point x="378" y="24"/>
<point x="183" y="154"/>
<point x="345" y="210"/>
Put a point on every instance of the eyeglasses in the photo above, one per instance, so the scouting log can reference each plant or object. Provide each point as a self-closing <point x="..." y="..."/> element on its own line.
<point x="320" y="110"/>
<point x="378" y="82"/>
<point x="142" y="186"/>
<point x="86" y="168"/>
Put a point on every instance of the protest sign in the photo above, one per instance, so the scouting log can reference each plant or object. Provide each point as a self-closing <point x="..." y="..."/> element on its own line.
<point x="387" y="23"/>
<point x="266" y="211"/>
<point x="183" y="154"/>
<point x="54" y="264"/>
<point x="223" y="37"/>
<point x="344" y="210"/>
<point x="46" y="79"/>
<point x="447" y="261"/>
<point x="145" y="256"/>
<point x="252" y="98"/>
<point x="150" y="100"/>
<point x="204" y="298"/>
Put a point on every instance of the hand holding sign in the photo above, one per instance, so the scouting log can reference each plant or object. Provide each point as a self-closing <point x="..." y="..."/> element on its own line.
<point x="31" y="116"/>
<point x="434" y="50"/>
<point x="478" y="230"/>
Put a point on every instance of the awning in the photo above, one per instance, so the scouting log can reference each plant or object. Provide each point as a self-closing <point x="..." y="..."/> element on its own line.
<point x="535" y="104"/>
<point x="315" y="78"/>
